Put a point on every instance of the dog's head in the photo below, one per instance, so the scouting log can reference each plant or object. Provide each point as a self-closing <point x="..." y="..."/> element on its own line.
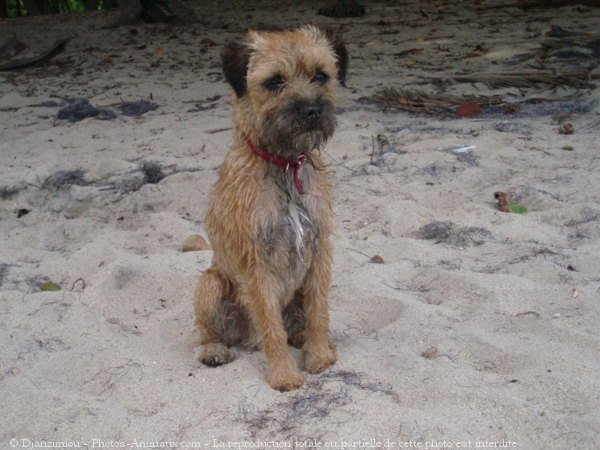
<point x="284" y="84"/>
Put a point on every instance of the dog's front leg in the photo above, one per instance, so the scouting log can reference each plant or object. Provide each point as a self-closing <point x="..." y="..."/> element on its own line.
<point x="261" y="298"/>
<point x="319" y="351"/>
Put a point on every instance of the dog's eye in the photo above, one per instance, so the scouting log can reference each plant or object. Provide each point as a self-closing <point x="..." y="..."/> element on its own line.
<point x="320" y="78"/>
<point x="274" y="84"/>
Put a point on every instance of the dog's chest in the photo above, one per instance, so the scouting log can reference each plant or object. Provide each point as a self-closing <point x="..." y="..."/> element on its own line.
<point x="292" y="238"/>
<point x="299" y="228"/>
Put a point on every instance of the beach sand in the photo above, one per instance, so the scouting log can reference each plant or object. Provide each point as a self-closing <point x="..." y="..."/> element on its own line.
<point x="479" y="327"/>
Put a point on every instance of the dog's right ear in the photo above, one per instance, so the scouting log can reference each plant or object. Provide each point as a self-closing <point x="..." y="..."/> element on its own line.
<point x="235" y="59"/>
<point x="339" y="48"/>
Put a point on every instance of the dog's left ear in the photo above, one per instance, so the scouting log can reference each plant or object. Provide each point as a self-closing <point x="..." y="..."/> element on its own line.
<point x="235" y="59"/>
<point x="339" y="48"/>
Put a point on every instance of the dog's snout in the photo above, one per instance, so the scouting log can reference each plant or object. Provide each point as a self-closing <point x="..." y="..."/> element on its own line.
<point x="312" y="111"/>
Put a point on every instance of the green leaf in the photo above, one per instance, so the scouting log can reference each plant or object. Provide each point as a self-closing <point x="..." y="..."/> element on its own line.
<point x="49" y="286"/>
<point x="516" y="208"/>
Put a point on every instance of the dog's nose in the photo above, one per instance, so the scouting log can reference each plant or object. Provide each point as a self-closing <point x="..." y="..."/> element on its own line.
<point x="312" y="111"/>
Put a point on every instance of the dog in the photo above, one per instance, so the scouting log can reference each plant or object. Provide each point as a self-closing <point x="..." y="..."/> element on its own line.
<point x="269" y="217"/>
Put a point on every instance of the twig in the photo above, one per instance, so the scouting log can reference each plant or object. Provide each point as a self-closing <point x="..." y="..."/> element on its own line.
<point x="359" y="252"/>
<point x="218" y="130"/>
<point x="526" y="313"/>
<point x="337" y="161"/>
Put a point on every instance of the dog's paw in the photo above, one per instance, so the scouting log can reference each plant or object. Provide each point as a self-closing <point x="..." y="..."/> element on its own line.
<point x="285" y="380"/>
<point x="316" y="360"/>
<point x="214" y="355"/>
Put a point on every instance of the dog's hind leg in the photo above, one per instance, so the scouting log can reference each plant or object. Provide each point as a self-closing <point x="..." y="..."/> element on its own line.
<point x="295" y="322"/>
<point x="208" y="298"/>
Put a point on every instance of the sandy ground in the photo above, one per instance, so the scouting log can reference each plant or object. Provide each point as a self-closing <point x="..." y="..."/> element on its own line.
<point x="481" y="328"/>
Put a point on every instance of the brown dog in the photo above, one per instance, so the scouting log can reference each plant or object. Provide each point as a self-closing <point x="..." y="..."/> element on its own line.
<point x="269" y="214"/>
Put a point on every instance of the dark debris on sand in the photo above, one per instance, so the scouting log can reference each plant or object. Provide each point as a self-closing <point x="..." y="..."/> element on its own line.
<point x="134" y="179"/>
<point x="137" y="108"/>
<point x="4" y="268"/>
<point x="153" y="173"/>
<point x="449" y="233"/>
<point x="78" y="109"/>
<point x="330" y="392"/>
<point x="63" y="179"/>
<point x="343" y="8"/>
<point x="7" y="192"/>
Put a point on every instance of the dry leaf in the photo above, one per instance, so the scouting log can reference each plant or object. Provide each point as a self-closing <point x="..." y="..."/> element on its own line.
<point x="575" y="293"/>
<point x="158" y="51"/>
<point x="195" y="243"/>
<point x="430" y="353"/>
<point x="377" y="259"/>
<point x="468" y="110"/>
<point x="503" y="203"/>
<point x="567" y="128"/>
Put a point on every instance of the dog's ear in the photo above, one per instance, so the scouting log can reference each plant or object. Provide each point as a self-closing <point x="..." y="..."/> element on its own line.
<point x="339" y="48"/>
<point x="235" y="59"/>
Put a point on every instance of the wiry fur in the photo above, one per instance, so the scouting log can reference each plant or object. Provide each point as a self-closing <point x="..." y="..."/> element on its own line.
<point x="271" y="269"/>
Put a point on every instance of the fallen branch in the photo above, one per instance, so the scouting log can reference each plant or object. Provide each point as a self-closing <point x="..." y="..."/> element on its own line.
<point x="392" y="98"/>
<point x="576" y="79"/>
<point x="419" y="102"/>
<point x="36" y="60"/>
<point x="526" y="4"/>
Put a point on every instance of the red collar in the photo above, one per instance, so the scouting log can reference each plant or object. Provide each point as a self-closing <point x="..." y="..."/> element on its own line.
<point x="280" y="162"/>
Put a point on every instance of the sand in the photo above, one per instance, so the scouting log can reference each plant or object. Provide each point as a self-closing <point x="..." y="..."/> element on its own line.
<point x="479" y="328"/>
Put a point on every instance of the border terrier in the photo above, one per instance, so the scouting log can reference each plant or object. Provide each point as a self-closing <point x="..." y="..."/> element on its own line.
<point x="269" y="216"/>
